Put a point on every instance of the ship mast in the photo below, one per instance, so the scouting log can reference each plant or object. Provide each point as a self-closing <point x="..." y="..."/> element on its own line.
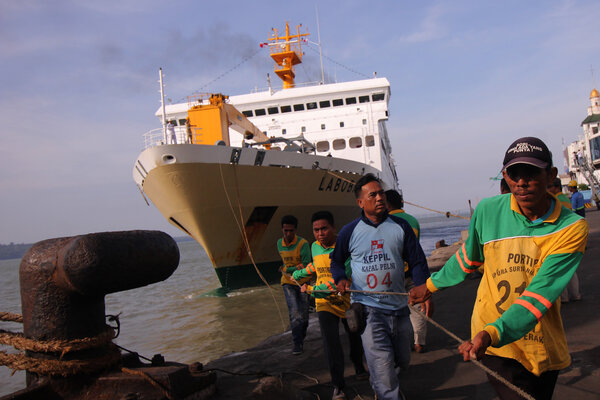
<point x="286" y="52"/>
<point x="162" y="103"/>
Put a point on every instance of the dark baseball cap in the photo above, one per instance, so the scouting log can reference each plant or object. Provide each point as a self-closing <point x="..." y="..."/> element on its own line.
<point x="528" y="150"/>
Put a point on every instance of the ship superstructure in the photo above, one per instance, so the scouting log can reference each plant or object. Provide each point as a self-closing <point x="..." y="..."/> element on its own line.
<point x="228" y="168"/>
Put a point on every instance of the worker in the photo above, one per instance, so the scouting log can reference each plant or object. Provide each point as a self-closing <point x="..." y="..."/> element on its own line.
<point x="531" y="247"/>
<point x="577" y="201"/>
<point x="395" y="202"/>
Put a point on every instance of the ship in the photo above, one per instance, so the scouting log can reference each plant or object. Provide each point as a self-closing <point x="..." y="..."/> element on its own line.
<point x="226" y="169"/>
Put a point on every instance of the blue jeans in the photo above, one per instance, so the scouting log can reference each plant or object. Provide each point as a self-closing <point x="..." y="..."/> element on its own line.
<point x="386" y="341"/>
<point x="297" y="303"/>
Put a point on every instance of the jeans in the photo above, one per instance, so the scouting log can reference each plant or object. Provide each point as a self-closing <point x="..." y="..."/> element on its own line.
<point x="297" y="303"/>
<point x="386" y="341"/>
<point x="330" y="331"/>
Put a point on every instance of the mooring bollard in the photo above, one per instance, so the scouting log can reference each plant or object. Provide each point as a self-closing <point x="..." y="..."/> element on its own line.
<point x="63" y="284"/>
<point x="64" y="281"/>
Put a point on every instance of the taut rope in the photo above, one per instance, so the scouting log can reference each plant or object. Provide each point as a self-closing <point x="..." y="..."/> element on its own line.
<point x="240" y="226"/>
<point x="448" y="214"/>
<point x="510" y="385"/>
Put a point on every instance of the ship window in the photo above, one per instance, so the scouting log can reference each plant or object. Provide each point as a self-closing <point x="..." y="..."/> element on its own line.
<point x="338" y="102"/>
<point x="311" y="106"/>
<point x="322" y="126"/>
<point x="339" y="144"/>
<point x="181" y="122"/>
<point x="286" y="109"/>
<point x="364" y="121"/>
<point x="370" y="141"/>
<point x="283" y="131"/>
<point x="260" y="111"/>
<point x="341" y="124"/>
<point x="248" y="113"/>
<point x="303" y="129"/>
<point x="378" y="97"/>
<point x="594" y="130"/>
<point x="323" y="146"/>
<point x="298" y="107"/>
<point x="324" y="104"/>
<point x="363" y="99"/>
<point x="355" y="142"/>
<point x="350" y="100"/>
<point x="273" y="110"/>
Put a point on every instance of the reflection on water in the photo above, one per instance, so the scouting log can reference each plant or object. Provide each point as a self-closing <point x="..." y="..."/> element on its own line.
<point x="184" y="318"/>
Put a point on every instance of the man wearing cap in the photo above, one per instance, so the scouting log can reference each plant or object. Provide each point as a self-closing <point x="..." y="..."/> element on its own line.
<point x="531" y="247"/>
<point x="577" y="202"/>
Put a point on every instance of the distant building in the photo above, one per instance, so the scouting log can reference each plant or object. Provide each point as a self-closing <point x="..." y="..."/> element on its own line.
<point x="583" y="156"/>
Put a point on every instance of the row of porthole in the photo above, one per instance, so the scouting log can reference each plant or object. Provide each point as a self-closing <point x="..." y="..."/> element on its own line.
<point x="340" y="144"/>
<point x="313" y="105"/>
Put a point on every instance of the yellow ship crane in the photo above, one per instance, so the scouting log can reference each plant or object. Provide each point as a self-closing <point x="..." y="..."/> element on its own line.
<point x="286" y="51"/>
<point x="210" y="123"/>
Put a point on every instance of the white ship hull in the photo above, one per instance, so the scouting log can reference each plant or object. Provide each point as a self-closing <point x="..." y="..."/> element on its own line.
<point x="233" y="207"/>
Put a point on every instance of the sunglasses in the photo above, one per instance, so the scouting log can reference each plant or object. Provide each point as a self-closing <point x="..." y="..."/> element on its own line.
<point x="523" y="171"/>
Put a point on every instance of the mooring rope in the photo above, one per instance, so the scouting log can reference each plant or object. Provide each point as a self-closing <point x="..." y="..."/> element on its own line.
<point x="493" y="373"/>
<point x="62" y="368"/>
<point x="448" y="214"/>
<point x="20" y="342"/>
<point x="10" y="317"/>
<point x="58" y="367"/>
<point x="510" y="385"/>
<point x="362" y="291"/>
<point x="245" y="238"/>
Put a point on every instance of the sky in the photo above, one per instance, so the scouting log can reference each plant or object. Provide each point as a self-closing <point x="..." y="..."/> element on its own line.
<point x="79" y="88"/>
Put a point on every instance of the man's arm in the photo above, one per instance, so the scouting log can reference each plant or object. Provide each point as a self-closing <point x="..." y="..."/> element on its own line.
<point x="328" y="288"/>
<point x="466" y="260"/>
<point x="300" y="274"/>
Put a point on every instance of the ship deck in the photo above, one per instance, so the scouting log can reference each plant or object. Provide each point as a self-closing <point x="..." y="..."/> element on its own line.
<point x="438" y="373"/>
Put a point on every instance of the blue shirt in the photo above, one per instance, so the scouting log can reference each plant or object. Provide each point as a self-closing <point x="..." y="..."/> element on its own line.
<point x="377" y="255"/>
<point x="577" y="201"/>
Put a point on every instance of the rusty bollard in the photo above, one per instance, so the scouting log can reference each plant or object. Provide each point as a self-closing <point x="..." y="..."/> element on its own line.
<point x="64" y="281"/>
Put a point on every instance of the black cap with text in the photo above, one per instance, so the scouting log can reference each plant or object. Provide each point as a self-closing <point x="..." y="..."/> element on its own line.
<point x="528" y="150"/>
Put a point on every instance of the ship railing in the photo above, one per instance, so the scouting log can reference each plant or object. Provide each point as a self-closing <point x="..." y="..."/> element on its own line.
<point x="156" y="137"/>
<point x="280" y="87"/>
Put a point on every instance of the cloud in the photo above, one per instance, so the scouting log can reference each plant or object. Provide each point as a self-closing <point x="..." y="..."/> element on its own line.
<point x="430" y="27"/>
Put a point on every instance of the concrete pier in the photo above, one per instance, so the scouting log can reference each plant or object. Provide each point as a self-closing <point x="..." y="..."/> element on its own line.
<point x="438" y="373"/>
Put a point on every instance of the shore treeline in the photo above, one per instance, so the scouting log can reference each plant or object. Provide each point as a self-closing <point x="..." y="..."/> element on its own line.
<point x="13" y="250"/>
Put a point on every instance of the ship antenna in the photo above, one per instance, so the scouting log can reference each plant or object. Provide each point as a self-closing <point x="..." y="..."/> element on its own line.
<point x="320" y="47"/>
<point x="162" y="103"/>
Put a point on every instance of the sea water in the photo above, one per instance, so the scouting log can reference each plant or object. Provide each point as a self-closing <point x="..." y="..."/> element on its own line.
<point x="184" y="318"/>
